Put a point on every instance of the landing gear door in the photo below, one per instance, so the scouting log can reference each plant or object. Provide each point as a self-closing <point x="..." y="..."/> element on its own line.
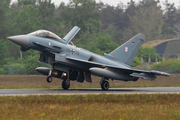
<point x="88" y="77"/>
<point x="80" y="77"/>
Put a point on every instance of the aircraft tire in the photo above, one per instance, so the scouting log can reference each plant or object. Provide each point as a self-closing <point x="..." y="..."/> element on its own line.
<point x="65" y="84"/>
<point x="49" y="79"/>
<point x="105" y="85"/>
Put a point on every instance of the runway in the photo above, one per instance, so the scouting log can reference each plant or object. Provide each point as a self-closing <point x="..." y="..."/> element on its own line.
<point x="89" y="91"/>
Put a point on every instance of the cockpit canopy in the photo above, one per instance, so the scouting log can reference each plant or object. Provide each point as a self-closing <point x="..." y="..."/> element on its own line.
<point x="45" y="34"/>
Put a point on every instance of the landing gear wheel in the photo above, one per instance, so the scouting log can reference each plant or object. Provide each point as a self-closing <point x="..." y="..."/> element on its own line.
<point x="49" y="79"/>
<point x="105" y="85"/>
<point x="65" y="84"/>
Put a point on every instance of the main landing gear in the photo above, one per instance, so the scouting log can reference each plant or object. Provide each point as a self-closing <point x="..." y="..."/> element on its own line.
<point x="104" y="84"/>
<point x="65" y="84"/>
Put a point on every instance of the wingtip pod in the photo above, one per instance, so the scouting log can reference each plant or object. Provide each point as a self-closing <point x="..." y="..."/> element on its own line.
<point x="160" y="73"/>
<point x="141" y="35"/>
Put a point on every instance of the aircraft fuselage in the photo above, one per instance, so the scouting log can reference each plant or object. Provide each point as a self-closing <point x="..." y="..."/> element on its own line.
<point x="72" y="63"/>
<point x="63" y="51"/>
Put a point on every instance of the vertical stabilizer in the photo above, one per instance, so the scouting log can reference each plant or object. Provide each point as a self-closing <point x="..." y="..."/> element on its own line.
<point x="71" y="34"/>
<point x="126" y="52"/>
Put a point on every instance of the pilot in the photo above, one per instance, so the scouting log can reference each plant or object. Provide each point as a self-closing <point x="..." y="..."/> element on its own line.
<point x="46" y="34"/>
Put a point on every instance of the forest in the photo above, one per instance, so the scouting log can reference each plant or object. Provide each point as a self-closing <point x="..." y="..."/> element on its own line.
<point x="103" y="27"/>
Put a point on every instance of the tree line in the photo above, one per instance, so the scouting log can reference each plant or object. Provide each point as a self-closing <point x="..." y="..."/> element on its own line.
<point x="103" y="27"/>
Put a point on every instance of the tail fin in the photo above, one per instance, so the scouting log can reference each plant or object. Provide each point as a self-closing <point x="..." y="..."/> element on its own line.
<point x="126" y="52"/>
<point x="71" y="34"/>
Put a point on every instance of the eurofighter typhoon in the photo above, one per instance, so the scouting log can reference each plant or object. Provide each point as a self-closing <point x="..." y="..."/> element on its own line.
<point x="72" y="63"/>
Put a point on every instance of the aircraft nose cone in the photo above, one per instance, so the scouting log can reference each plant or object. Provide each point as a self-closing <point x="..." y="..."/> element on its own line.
<point x="22" y="40"/>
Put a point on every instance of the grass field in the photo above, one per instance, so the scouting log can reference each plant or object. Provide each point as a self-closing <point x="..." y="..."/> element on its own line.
<point x="88" y="107"/>
<point x="39" y="81"/>
<point x="91" y="107"/>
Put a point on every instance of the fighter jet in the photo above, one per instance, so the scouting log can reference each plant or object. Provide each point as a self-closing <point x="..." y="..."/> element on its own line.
<point x="72" y="63"/>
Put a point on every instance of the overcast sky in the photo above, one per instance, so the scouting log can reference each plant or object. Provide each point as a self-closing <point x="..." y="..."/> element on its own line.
<point x="114" y="2"/>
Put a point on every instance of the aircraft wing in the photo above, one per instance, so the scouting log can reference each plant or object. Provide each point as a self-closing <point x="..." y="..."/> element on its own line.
<point x="149" y="75"/>
<point x="93" y="64"/>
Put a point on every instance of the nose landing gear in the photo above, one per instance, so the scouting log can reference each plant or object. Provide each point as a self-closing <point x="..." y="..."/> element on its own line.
<point x="49" y="79"/>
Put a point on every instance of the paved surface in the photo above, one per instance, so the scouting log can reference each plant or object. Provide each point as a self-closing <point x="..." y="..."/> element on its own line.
<point x="89" y="91"/>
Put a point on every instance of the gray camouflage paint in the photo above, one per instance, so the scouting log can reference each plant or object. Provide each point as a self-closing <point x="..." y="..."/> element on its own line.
<point x="64" y="57"/>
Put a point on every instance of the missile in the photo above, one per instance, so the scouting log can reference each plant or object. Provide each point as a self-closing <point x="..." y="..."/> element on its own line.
<point x="145" y="76"/>
<point x="103" y="72"/>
